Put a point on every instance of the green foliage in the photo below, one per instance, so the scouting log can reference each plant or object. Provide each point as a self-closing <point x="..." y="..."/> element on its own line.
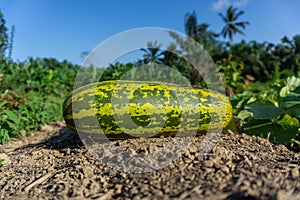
<point x="262" y="61"/>
<point x="145" y="72"/>
<point x="152" y="54"/>
<point x="117" y="71"/>
<point x="46" y="76"/>
<point x="32" y="94"/>
<point x="231" y="72"/>
<point x="290" y="84"/>
<point x="289" y="53"/>
<point x="204" y="36"/>
<point x="258" y="59"/>
<point x="88" y="74"/>
<point x="8" y="122"/>
<point x="272" y="113"/>
<point x="266" y="61"/>
<point x="4" y="135"/>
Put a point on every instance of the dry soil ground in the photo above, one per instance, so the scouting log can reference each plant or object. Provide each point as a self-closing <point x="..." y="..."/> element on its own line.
<point x="54" y="164"/>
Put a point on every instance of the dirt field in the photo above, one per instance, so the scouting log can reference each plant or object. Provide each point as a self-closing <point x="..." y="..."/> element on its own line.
<point x="54" y="164"/>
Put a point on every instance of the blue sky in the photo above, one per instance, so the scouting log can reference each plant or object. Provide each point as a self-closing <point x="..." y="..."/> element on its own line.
<point x="63" y="29"/>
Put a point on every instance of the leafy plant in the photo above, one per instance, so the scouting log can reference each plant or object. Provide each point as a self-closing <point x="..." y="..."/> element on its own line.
<point x="231" y="72"/>
<point x="273" y="113"/>
<point x="9" y="122"/>
<point x="4" y="136"/>
<point x="269" y="121"/>
<point x="32" y="93"/>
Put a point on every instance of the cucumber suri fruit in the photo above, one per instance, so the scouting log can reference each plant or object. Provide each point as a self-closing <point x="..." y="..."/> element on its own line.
<point x="125" y="109"/>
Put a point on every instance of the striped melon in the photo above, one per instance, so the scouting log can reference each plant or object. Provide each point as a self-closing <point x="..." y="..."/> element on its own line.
<point x="124" y="109"/>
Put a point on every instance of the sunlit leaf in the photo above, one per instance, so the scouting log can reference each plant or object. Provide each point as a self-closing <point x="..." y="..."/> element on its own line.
<point x="288" y="121"/>
<point x="12" y="116"/>
<point x="2" y="104"/>
<point x="292" y="83"/>
<point x="244" y="115"/>
<point x="294" y="111"/>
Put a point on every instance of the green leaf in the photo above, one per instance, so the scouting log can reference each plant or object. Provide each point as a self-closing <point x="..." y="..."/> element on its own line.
<point x="292" y="83"/>
<point x="2" y="104"/>
<point x="294" y="111"/>
<point x="4" y="136"/>
<point x="288" y="121"/>
<point x="12" y="116"/>
<point x="244" y="115"/>
<point x="264" y="111"/>
<point x="282" y="131"/>
<point x="292" y="99"/>
<point x="50" y="75"/>
<point x="13" y="126"/>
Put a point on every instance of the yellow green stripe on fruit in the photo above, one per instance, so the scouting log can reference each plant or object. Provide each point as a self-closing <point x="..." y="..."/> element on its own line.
<point x="123" y="109"/>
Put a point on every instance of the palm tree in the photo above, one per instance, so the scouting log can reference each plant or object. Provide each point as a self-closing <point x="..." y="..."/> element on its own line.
<point x="201" y="33"/>
<point x="190" y="22"/>
<point x="195" y="30"/>
<point x="152" y="54"/>
<point x="289" y="53"/>
<point x="231" y="25"/>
